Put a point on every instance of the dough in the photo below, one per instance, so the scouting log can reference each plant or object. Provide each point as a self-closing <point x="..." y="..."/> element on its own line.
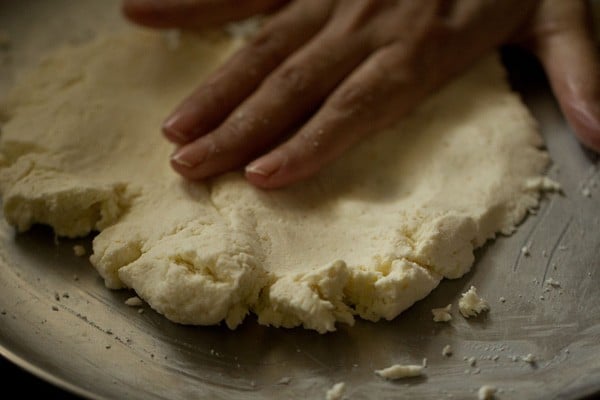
<point x="370" y="236"/>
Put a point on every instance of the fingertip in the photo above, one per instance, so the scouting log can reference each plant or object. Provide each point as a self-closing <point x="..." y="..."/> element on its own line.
<point x="585" y="121"/>
<point x="188" y="160"/>
<point x="135" y="10"/>
<point x="173" y="132"/>
<point x="265" y="172"/>
<point x="146" y="12"/>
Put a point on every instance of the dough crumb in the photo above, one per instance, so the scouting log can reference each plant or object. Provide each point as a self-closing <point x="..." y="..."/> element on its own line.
<point x="442" y="314"/>
<point x="586" y="192"/>
<point x="543" y="183"/>
<point x="525" y="251"/>
<point x="336" y="392"/>
<point x="486" y="392"/>
<point x="529" y="358"/>
<point x="470" y="304"/>
<point x="399" y="371"/>
<point x="134" y="302"/>
<point x="447" y="351"/>
<point x="79" y="250"/>
<point x="502" y="299"/>
<point x="472" y="361"/>
<point x="552" y="283"/>
<point x="284" y="381"/>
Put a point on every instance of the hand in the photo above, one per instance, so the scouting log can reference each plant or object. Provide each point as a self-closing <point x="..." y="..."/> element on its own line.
<point x="335" y="71"/>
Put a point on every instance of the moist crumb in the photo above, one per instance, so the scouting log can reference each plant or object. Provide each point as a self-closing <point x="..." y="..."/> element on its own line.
<point x="447" y="351"/>
<point x="284" y="381"/>
<point x="552" y="283"/>
<point x="486" y="392"/>
<point x="442" y="314"/>
<point x="398" y="371"/>
<point x="336" y="392"/>
<point x="470" y="304"/>
<point x="529" y="358"/>
<point x="134" y="302"/>
<point x="79" y="250"/>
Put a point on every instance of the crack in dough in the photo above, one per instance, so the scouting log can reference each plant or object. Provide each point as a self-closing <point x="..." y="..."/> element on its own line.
<point x="371" y="235"/>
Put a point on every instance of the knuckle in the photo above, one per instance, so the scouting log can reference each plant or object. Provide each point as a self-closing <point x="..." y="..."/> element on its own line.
<point x="237" y="128"/>
<point x="353" y="98"/>
<point x="265" y="40"/>
<point x="290" y="81"/>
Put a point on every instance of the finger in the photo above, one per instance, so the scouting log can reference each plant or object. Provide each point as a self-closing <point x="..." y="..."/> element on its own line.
<point x="383" y="89"/>
<point x="194" y="13"/>
<point x="285" y="98"/>
<point x="563" y="42"/>
<point x="211" y="103"/>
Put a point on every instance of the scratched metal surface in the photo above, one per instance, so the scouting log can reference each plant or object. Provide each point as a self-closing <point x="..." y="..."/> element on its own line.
<point x="92" y="344"/>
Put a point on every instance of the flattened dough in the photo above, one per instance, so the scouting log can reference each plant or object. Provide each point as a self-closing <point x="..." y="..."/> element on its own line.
<point x="370" y="236"/>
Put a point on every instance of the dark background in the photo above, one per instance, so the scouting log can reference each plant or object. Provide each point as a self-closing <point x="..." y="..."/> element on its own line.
<point x="16" y="380"/>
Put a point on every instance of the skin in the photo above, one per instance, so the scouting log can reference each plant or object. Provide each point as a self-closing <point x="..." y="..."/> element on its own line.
<point x="321" y="75"/>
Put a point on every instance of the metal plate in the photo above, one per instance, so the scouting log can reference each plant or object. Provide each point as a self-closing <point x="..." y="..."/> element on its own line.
<point x="92" y="344"/>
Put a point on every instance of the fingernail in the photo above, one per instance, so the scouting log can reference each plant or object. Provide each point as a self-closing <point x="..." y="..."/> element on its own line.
<point x="189" y="157"/>
<point x="264" y="167"/>
<point x="170" y="127"/>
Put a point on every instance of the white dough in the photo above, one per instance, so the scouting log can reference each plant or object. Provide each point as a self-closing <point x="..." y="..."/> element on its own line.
<point x="399" y="371"/>
<point x="371" y="235"/>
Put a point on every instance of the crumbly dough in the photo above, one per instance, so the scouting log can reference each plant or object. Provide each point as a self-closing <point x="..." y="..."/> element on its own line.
<point x="470" y="304"/>
<point x="371" y="235"/>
